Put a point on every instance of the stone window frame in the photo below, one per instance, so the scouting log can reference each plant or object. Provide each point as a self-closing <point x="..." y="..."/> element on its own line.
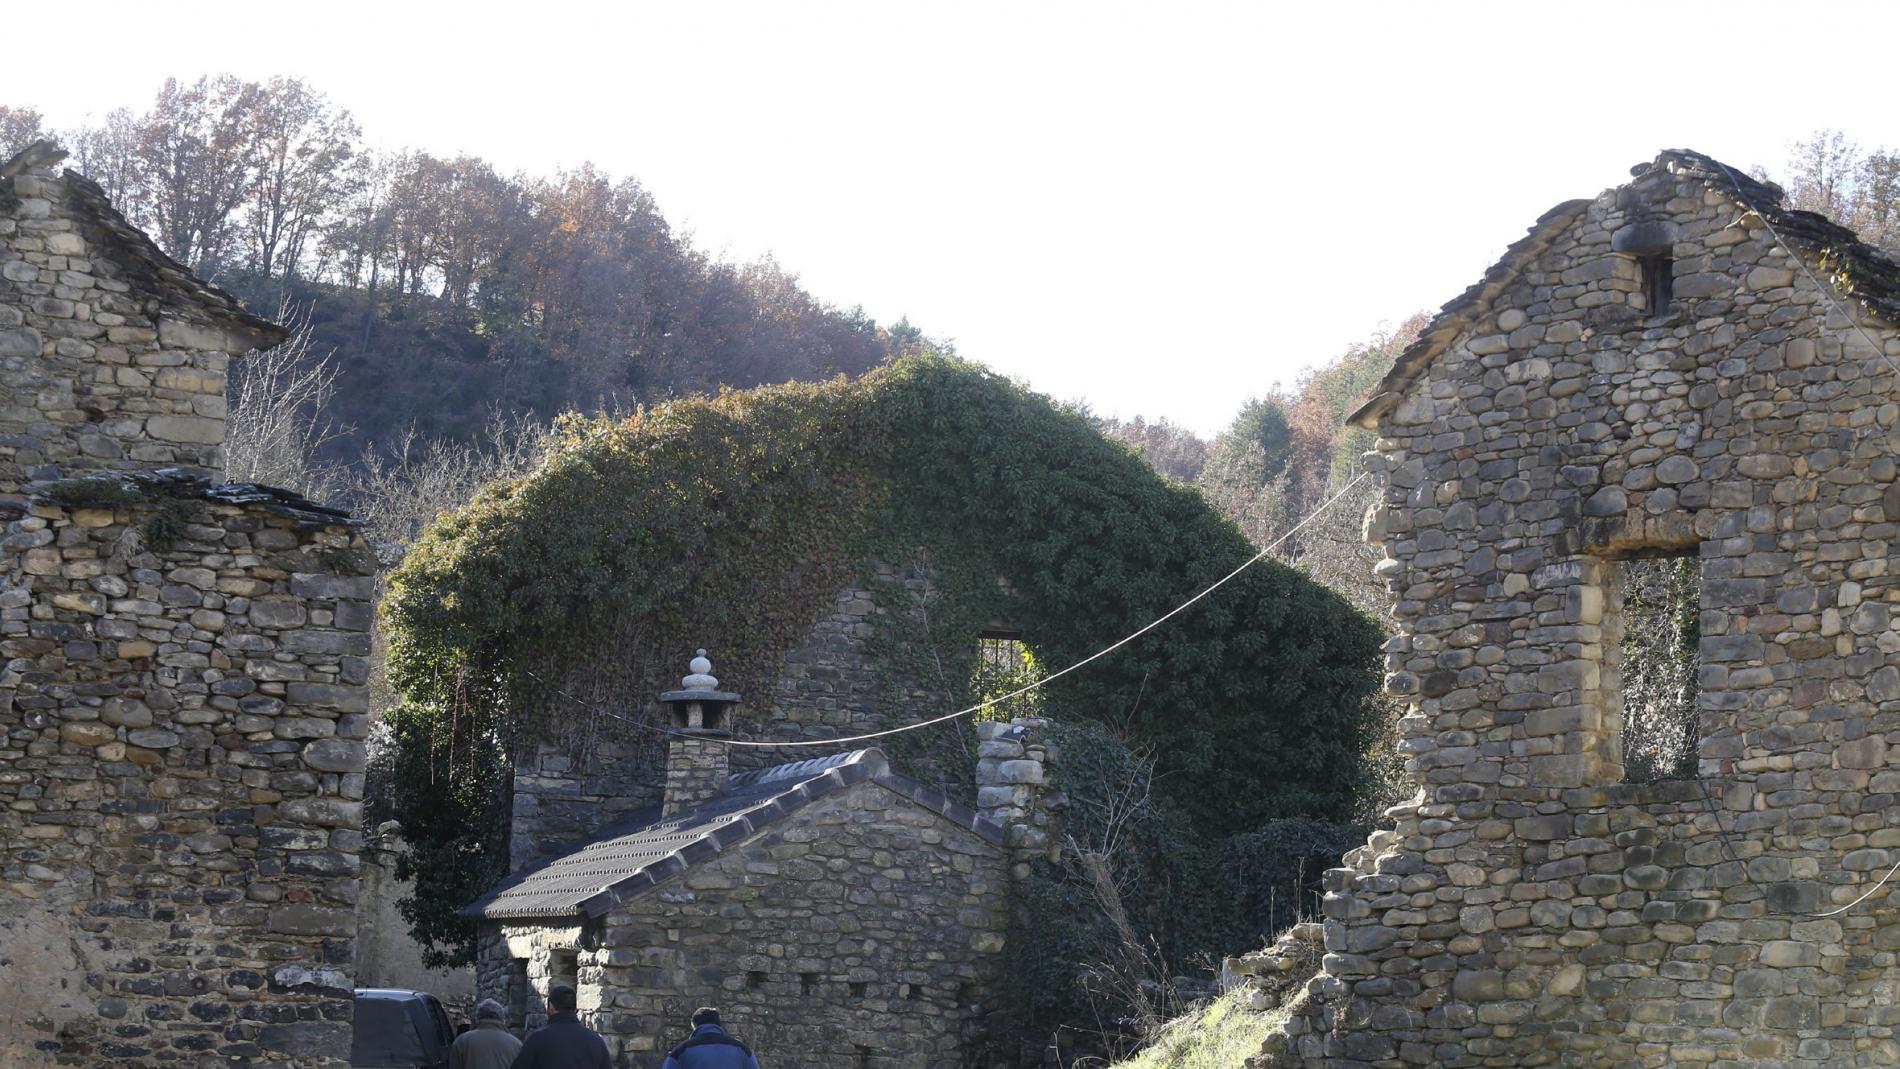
<point x="1601" y="595"/>
<point x="518" y="988"/>
<point x="1659" y="284"/>
<point x="1649" y="245"/>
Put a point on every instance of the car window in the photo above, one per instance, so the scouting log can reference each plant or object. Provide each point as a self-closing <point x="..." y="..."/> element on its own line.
<point x="444" y="1028"/>
<point x="382" y="1034"/>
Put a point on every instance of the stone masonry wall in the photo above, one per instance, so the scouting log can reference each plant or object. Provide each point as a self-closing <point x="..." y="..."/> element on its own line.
<point x="182" y="715"/>
<point x="830" y="687"/>
<point x="1528" y="908"/>
<point x="95" y="372"/>
<point x="1015" y="788"/>
<point x="865" y="932"/>
<point x="386" y="954"/>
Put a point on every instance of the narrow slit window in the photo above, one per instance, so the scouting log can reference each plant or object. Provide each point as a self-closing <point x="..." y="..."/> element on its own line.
<point x="807" y="983"/>
<point x="518" y="994"/>
<point x="1659" y="281"/>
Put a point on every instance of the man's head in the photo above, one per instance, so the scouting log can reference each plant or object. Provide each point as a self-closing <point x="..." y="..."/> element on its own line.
<point x="489" y="1010"/>
<point x="561" y="999"/>
<point x="705" y="1015"/>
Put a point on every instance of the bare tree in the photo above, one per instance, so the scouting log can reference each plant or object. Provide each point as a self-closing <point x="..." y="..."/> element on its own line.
<point x="20" y="127"/>
<point x="1133" y="974"/>
<point x="305" y="149"/>
<point x="276" y="421"/>
<point x="401" y="491"/>
<point x="196" y="165"/>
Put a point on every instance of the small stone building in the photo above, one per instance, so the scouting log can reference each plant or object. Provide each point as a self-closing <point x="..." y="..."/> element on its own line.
<point x="182" y="673"/>
<point x="838" y="913"/>
<point x="1679" y="366"/>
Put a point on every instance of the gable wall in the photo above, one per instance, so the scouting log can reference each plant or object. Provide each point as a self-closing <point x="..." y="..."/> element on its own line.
<point x="830" y="687"/>
<point x="864" y="887"/>
<point x="182" y="693"/>
<point x="1529" y="909"/>
<point x="92" y="375"/>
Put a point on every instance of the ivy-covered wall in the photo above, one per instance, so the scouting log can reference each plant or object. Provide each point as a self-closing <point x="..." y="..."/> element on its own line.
<point x="734" y="522"/>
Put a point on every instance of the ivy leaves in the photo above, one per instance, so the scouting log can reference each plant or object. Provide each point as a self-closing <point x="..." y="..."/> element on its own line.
<point x="732" y="522"/>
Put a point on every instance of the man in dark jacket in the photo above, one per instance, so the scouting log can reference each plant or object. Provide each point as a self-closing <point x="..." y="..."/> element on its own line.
<point x="710" y="1047"/>
<point x="564" y="1042"/>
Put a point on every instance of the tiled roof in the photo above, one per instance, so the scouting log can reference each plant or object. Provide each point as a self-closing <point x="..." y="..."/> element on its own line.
<point x="646" y="850"/>
<point x="1857" y="270"/>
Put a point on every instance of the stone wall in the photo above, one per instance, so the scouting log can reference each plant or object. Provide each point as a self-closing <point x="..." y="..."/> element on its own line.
<point x="100" y="367"/>
<point x="830" y="687"/>
<point x="563" y="794"/>
<point x="1015" y="788"/>
<point x="1529" y="908"/>
<point x="182" y="715"/>
<point x="386" y="954"/>
<point x="864" y="932"/>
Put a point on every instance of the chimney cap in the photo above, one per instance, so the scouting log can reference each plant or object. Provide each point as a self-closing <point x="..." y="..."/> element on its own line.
<point x="700" y="686"/>
<point x="701" y="677"/>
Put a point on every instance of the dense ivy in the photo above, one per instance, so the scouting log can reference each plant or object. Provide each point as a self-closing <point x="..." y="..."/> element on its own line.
<point x="731" y="522"/>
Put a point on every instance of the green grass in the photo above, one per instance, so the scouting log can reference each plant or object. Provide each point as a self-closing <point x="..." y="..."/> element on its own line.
<point x="1221" y="1035"/>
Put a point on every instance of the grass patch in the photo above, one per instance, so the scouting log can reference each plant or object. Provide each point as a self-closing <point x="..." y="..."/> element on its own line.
<point x="1220" y="1035"/>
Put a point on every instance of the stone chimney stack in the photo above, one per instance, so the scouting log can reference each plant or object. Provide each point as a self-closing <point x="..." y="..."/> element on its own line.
<point x="700" y="717"/>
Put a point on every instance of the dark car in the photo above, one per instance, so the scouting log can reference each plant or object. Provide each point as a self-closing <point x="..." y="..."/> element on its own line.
<point x="398" y="1029"/>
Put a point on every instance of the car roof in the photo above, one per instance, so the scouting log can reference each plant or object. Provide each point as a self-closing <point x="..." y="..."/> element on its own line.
<point x="390" y="993"/>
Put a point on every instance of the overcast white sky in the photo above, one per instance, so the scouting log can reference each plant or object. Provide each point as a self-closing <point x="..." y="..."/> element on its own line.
<point x="1160" y="208"/>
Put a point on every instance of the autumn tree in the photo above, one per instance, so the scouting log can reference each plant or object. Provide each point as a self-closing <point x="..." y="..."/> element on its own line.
<point x="1169" y="448"/>
<point x="20" y="127"/>
<point x="304" y="164"/>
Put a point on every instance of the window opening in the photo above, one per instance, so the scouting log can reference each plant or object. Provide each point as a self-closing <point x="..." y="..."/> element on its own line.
<point x="564" y="970"/>
<point x="807" y="983"/>
<point x="1659" y="282"/>
<point x="518" y="993"/>
<point x="1005" y="664"/>
<point x="966" y="994"/>
<point x="859" y="988"/>
<point x="1660" y="616"/>
<point x="755" y="979"/>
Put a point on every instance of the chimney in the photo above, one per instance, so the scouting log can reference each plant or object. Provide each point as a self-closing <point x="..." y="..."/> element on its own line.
<point x="699" y="715"/>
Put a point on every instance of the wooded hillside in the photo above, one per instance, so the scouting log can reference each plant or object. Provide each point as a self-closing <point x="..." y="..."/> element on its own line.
<point x="443" y="286"/>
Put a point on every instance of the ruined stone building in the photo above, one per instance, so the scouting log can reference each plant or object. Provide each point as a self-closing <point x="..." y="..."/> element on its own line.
<point x="839" y="913"/>
<point x="1679" y="366"/>
<point x="182" y="670"/>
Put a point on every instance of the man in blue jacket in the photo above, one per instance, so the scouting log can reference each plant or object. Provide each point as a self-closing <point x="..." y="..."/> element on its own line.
<point x="710" y="1047"/>
<point x="564" y="1042"/>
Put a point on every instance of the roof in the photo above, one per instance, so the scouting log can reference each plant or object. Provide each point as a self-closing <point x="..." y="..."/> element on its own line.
<point x="186" y="484"/>
<point x="143" y="261"/>
<point x="646" y="850"/>
<point x="1859" y="271"/>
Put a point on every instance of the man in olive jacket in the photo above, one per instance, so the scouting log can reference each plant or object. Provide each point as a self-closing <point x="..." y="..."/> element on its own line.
<point x="564" y="1042"/>
<point x="488" y="1045"/>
